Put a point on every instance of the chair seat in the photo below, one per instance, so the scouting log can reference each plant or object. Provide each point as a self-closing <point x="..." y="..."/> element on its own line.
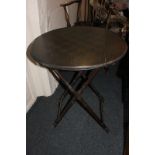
<point x="82" y="23"/>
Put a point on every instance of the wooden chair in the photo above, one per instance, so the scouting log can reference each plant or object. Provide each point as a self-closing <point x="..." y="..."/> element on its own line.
<point x="109" y="17"/>
<point x="102" y="11"/>
<point x="67" y="16"/>
<point x="117" y="22"/>
<point x="99" y="12"/>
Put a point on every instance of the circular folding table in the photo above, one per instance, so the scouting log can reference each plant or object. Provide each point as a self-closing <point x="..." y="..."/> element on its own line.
<point x="83" y="50"/>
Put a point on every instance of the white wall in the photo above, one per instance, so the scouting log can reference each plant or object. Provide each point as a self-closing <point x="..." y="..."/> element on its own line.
<point x="55" y="14"/>
<point x="42" y="16"/>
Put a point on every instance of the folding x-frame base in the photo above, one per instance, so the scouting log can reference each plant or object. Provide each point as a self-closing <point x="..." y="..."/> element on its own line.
<point x="75" y="94"/>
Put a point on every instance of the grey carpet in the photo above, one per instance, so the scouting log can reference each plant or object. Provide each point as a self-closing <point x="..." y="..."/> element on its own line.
<point x="78" y="133"/>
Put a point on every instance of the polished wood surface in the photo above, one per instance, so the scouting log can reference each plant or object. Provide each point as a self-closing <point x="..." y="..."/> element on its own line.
<point x="77" y="48"/>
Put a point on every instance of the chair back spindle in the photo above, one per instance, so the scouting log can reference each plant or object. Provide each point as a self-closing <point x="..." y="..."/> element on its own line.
<point x="67" y="17"/>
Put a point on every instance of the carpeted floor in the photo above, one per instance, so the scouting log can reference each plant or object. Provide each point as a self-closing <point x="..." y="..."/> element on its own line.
<point x="78" y="133"/>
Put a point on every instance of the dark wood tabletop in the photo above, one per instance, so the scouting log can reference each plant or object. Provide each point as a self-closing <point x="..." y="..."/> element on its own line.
<point x="77" y="48"/>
